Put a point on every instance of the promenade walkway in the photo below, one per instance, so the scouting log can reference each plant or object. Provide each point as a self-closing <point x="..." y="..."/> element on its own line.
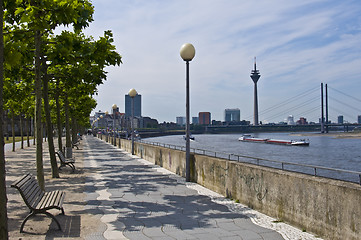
<point x="113" y="195"/>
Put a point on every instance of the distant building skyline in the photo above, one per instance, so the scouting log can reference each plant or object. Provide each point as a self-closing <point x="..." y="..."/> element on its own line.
<point x="232" y="115"/>
<point x="181" y="121"/>
<point x="137" y="105"/>
<point x="104" y="119"/>
<point x="302" y="121"/>
<point x="290" y="120"/>
<point x="340" y="119"/>
<point x="204" y="118"/>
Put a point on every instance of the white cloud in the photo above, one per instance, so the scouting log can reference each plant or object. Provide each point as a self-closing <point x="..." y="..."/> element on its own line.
<point x="298" y="45"/>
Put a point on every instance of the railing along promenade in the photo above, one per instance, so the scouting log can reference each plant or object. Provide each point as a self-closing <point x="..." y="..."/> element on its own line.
<point x="332" y="173"/>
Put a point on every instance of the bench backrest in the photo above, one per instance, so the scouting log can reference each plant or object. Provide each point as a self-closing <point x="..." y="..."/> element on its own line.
<point x="29" y="190"/>
<point x="61" y="156"/>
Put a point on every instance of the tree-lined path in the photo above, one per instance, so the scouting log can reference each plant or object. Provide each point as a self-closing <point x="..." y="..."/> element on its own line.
<point x="113" y="195"/>
<point x="48" y="77"/>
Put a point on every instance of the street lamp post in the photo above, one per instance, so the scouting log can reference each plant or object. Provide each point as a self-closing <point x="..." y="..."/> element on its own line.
<point x="105" y="122"/>
<point x="101" y="123"/>
<point x="132" y="93"/>
<point x="95" y="128"/>
<point x="114" y="107"/>
<point x="187" y="53"/>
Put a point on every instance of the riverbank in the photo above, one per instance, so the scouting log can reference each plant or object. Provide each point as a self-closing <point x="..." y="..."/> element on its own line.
<point x="342" y="135"/>
<point x="307" y="201"/>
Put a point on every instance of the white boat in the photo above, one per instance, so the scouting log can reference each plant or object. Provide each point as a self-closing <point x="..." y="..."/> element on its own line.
<point x="301" y="142"/>
<point x="190" y="137"/>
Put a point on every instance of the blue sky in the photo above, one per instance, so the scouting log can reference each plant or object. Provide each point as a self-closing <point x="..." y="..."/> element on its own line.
<point x="298" y="45"/>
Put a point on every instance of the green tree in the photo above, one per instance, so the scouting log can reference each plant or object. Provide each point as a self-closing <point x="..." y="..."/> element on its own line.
<point x="42" y="17"/>
<point x="49" y="126"/>
<point x="3" y="198"/>
<point x="78" y="65"/>
<point x="15" y="50"/>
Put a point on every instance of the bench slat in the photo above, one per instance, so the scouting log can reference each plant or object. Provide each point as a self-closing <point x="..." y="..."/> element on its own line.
<point x="31" y="190"/>
<point x="61" y="199"/>
<point x="57" y="199"/>
<point x="21" y="181"/>
<point x="33" y="193"/>
<point x="48" y="200"/>
<point x="26" y="186"/>
<point x="44" y="201"/>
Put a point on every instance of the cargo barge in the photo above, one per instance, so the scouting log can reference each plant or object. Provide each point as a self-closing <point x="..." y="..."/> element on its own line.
<point x="249" y="138"/>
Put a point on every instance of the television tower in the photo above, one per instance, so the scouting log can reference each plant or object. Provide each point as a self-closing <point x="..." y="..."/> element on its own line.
<point x="255" y="77"/>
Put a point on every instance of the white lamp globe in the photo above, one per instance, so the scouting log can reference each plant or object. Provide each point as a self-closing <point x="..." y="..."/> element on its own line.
<point x="187" y="52"/>
<point x="132" y="92"/>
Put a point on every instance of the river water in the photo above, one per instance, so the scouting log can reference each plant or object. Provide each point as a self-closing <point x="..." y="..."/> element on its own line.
<point x="324" y="150"/>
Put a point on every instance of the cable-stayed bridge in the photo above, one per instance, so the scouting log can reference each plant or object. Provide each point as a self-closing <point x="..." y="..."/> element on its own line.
<point x="338" y="106"/>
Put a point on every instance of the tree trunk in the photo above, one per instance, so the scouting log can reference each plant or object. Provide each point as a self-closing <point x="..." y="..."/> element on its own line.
<point x="38" y="125"/>
<point x="6" y="125"/>
<point x="58" y="118"/>
<point x="21" y="131"/>
<point x="74" y="130"/>
<point x="45" y="132"/>
<point x="68" y="144"/>
<point x="3" y="199"/>
<point x="33" y="125"/>
<point x="49" y="126"/>
<point x="13" y="130"/>
<point x="28" y="130"/>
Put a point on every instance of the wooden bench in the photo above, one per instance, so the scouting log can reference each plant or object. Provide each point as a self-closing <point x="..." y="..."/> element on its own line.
<point x="76" y="144"/>
<point x="65" y="161"/>
<point x="38" y="201"/>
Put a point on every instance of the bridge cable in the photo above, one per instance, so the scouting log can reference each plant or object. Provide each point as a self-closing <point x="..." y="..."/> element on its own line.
<point x="288" y="101"/>
<point x="345" y="104"/>
<point x="345" y="94"/>
<point x="293" y="108"/>
<point x="285" y="102"/>
<point x="340" y="111"/>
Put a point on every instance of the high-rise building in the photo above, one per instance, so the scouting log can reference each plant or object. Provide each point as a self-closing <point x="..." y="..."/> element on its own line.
<point x="181" y="121"/>
<point x="195" y="120"/>
<point x="137" y="106"/>
<point x="340" y="119"/>
<point x="359" y="119"/>
<point x="232" y="115"/>
<point x="204" y="118"/>
<point x="290" y="120"/>
<point x="302" y="121"/>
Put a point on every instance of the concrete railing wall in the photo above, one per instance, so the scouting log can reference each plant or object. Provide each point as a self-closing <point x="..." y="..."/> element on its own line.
<point x="328" y="208"/>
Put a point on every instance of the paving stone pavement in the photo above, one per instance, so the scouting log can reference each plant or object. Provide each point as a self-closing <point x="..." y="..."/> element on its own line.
<point x="136" y="201"/>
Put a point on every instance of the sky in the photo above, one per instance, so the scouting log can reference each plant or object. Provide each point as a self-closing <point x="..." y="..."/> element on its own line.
<point x="298" y="45"/>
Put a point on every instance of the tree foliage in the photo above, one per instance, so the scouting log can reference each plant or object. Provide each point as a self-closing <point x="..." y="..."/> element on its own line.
<point x="42" y="71"/>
